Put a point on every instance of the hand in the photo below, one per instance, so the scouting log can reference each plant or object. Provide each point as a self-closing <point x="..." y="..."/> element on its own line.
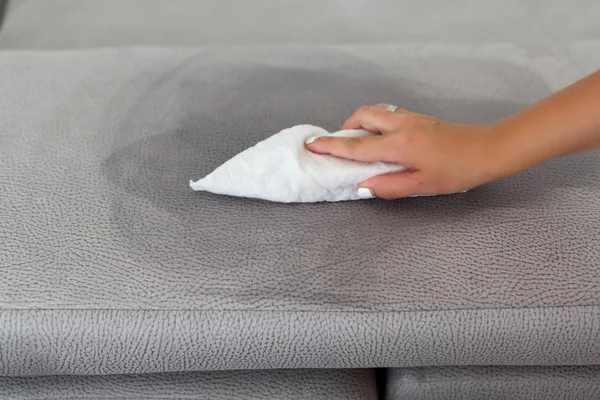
<point x="441" y="157"/>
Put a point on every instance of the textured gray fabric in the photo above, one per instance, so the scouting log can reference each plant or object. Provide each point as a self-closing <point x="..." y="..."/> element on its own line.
<point x="111" y="264"/>
<point x="41" y="24"/>
<point x="494" y="383"/>
<point x="12" y="5"/>
<point x="225" y="385"/>
<point x="3" y="7"/>
<point x="136" y="341"/>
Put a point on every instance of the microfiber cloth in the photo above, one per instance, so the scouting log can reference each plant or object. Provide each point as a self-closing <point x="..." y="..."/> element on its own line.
<point x="281" y="169"/>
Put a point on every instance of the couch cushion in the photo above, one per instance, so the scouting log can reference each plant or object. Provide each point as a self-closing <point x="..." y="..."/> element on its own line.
<point x="112" y="264"/>
<point x="40" y="24"/>
<point x="494" y="383"/>
<point x="223" y="385"/>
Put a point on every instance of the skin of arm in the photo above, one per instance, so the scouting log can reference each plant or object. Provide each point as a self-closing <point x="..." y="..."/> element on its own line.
<point x="566" y="123"/>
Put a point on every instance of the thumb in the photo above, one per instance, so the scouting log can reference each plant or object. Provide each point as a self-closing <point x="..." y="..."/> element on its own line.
<point x="393" y="186"/>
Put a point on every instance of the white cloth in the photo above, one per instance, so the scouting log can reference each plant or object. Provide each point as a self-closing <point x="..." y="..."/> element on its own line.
<point x="281" y="169"/>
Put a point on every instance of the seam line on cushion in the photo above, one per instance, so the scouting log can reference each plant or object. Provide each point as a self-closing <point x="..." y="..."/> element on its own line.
<point x="306" y="311"/>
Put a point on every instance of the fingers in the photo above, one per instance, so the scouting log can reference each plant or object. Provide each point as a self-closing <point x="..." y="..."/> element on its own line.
<point x="365" y="148"/>
<point x="395" y="186"/>
<point x="374" y="119"/>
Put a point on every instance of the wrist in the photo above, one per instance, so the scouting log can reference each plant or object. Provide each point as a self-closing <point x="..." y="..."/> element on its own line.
<point x="500" y="154"/>
<point x="515" y="150"/>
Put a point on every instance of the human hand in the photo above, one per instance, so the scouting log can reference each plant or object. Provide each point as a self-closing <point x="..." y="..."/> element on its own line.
<point x="441" y="157"/>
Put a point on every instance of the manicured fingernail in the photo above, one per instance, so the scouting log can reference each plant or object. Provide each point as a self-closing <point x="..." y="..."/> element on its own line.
<point x="365" y="193"/>
<point x="310" y="139"/>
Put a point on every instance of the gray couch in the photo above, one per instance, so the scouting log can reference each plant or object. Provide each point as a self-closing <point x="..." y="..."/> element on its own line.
<point x="118" y="281"/>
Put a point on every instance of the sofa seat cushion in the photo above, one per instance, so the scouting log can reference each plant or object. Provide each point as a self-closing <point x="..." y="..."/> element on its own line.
<point x="494" y="383"/>
<point x="215" y="385"/>
<point x="64" y="24"/>
<point x="111" y="264"/>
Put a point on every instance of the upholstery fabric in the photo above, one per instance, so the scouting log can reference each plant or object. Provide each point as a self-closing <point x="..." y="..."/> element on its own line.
<point x="494" y="383"/>
<point x="3" y="7"/>
<point x="223" y="385"/>
<point x="41" y="24"/>
<point x="110" y="264"/>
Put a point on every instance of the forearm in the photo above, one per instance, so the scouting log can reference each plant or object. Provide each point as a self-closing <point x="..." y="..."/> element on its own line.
<point x="568" y="122"/>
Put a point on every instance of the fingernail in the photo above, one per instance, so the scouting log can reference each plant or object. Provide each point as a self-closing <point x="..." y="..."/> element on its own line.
<point x="365" y="193"/>
<point x="310" y="139"/>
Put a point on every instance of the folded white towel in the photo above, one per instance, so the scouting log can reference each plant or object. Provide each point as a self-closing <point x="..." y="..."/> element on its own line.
<point x="281" y="169"/>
